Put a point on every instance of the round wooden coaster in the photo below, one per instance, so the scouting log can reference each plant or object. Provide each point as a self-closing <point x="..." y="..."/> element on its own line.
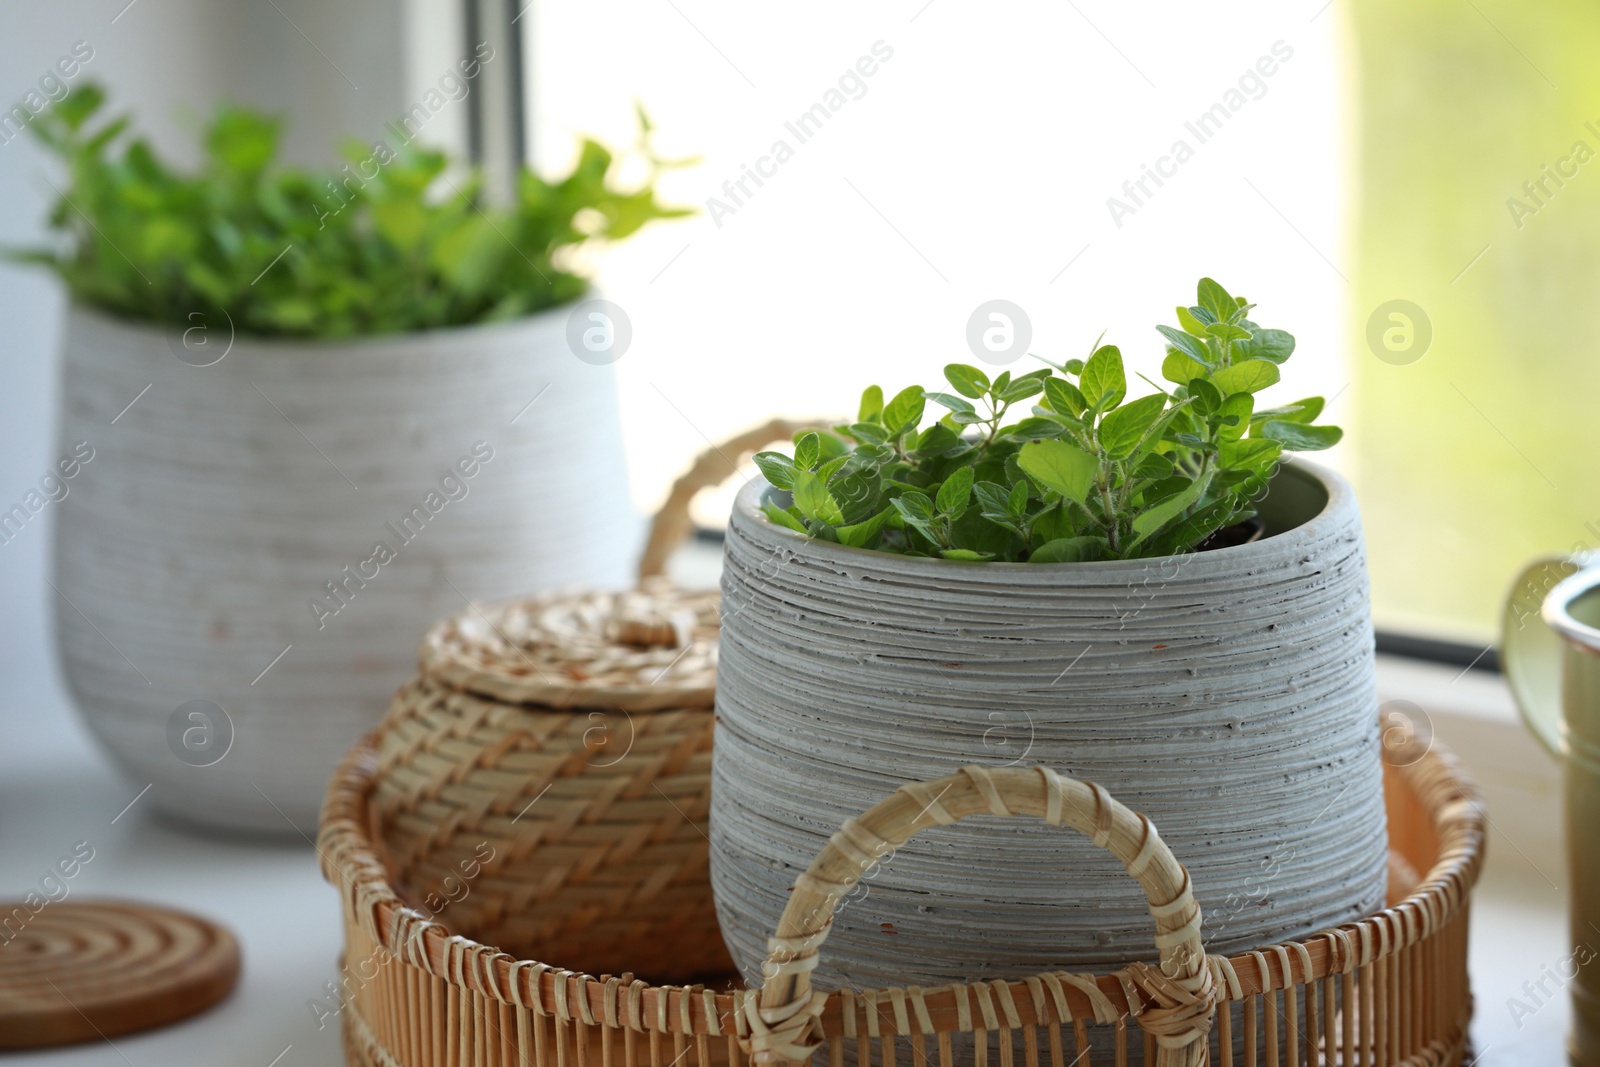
<point x="81" y="971"/>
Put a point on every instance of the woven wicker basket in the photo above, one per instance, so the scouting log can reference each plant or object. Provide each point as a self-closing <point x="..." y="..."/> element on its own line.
<point x="543" y="783"/>
<point x="1391" y="989"/>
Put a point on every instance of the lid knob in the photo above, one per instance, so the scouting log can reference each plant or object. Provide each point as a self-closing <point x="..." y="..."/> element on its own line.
<point x="647" y="625"/>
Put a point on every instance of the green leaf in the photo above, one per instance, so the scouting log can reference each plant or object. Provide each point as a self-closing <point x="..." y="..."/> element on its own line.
<point x="832" y="467"/>
<point x="871" y="404"/>
<point x="375" y="247"/>
<point x="1154" y="467"/>
<point x="1103" y="382"/>
<point x="898" y="475"/>
<point x="978" y="534"/>
<point x="807" y="450"/>
<point x="1298" y="438"/>
<point x="1250" y="376"/>
<point x="1207" y="397"/>
<point x="403" y="222"/>
<point x="970" y="382"/>
<point x="783" y="518"/>
<point x="954" y="403"/>
<point x="862" y="534"/>
<point x="1053" y="523"/>
<point x="79" y="105"/>
<point x="1014" y="471"/>
<point x="1070" y="550"/>
<point x="1152" y="519"/>
<point x="1215" y="299"/>
<point x="242" y="141"/>
<point x="1121" y="430"/>
<point x="776" y="468"/>
<point x="993" y="500"/>
<point x="1252" y="453"/>
<point x="812" y="498"/>
<point x="470" y="256"/>
<point x="1274" y="346"/>
<point x="1190" y="324"/>
<point x="1236" y="408"/>
<point x="955" y="492"/>
<point x="1033" y="428"/>
<point x="1157" y="431"/>
<point x="868" y="433"/>
<point x="1187" y="534"/>
<point x="1021" y="389"/>
<point x="937" y="440"/>
<point x="1189" y="440"/>
<point x="1191" y="346"/>
<point x="1181" y="369"/>
<point x="1064" y="397"/>
<point x="904" y="412"/>
<point x="872" y="456"/>
<point x="1224" y="331"/>
<point x="859" y="493"/>
<point x="914" y="505"/>
<point x="916" y="509"/>
<point x="999" y="503"/>
<point x="1017" y="502"/>
<point x="1163" y="490"/>
<point x="1059" y="466"/>
<point x="1305" y="411"/>
<point x="833" y="446"/>
<point x="966" y="554"/>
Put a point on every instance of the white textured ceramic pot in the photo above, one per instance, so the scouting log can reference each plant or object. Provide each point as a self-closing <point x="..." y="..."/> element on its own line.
<point x="1228" y="695"/>
<point x="271" y="534"/>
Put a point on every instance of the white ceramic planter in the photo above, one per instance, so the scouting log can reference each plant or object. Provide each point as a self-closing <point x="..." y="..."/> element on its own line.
<point x="1228" y="695"/>
<point x="193" y="546"/>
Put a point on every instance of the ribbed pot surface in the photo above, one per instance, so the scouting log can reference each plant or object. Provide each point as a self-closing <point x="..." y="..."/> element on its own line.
<point x="193" y="549"/>
<point x="1227" y="695"/>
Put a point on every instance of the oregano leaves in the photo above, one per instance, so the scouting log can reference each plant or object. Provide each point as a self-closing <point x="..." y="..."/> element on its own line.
<point x="1056" y="465"/>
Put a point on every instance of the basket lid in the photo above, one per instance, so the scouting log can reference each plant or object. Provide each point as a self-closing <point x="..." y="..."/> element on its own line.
<point x="644" y="649"/>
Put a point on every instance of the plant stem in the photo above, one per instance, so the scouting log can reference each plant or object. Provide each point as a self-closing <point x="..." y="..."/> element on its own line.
<point x="998" y="412"/>
<point x="1093" y="519"/>
<point x="1110" y="524"/>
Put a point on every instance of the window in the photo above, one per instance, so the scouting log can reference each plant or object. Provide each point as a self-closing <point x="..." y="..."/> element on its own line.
<point x="1325" y="160"/>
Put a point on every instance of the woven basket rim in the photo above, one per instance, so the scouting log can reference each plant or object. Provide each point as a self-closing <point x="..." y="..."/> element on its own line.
<point x="352" y="862"/>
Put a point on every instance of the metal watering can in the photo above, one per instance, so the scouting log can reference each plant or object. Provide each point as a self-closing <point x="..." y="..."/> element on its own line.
<point x="1550" y="649"/>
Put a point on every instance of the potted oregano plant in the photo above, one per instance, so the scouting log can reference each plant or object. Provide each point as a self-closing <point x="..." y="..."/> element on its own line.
<point x="1044" y="567"/>
<point x="323" y="405"/>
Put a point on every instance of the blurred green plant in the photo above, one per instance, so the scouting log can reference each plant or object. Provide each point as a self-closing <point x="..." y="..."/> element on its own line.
<point x="389" y="243"/>
<point x="1084" y="477"/>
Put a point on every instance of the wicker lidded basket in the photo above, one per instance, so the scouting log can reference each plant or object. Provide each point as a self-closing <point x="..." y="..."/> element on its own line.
<point x="1391" y="989"/>
<point x="543" y="783"/>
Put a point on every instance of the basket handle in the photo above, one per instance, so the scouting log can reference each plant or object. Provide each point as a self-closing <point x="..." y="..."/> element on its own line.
<point x="710" y="468"/>
<point x="786" y="1026"/>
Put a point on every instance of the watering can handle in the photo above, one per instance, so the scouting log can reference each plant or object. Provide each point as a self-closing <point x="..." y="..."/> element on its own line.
<point x="1530" y="651"/>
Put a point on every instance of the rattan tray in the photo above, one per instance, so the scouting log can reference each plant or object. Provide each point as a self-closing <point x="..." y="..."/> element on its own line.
<point x="1390" y="990"/>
